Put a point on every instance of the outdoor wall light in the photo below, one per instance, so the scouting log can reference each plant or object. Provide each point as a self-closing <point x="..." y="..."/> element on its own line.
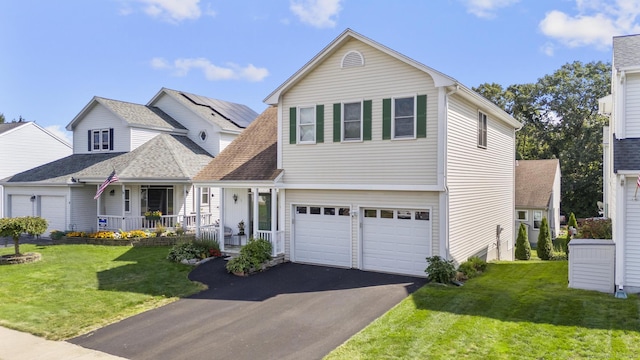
<point x="112" y="192"/>
<point x="235" y="198"/>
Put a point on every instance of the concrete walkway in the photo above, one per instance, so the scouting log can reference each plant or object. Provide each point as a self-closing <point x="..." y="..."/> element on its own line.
<point x="16" y="345"/>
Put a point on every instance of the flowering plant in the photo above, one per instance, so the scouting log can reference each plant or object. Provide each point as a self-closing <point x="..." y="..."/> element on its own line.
<point x="153" y="215"/>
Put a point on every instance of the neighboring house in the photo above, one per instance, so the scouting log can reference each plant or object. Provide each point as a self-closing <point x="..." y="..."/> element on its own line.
<point x="538" y="195"/>
<point x="154" y="149"/>
<point x="24" y="145"/>
<point x="380" y="162"/>
<point x="621" y="162"/>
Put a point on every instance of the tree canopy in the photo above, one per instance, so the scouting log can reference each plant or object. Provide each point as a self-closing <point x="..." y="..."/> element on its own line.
<point x="560" y="120"/>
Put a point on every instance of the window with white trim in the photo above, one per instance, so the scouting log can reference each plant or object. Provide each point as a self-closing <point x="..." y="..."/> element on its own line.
<point x="523" y="215"/>
<point x="404" y="118"/>
<point x="482" y="130"/>
<point x="537" y="218"/>
<point x="307" y="125"/>
<point x="204" y="198"/>
<point x="352" y="121"/>
<point x="100" y="140"/>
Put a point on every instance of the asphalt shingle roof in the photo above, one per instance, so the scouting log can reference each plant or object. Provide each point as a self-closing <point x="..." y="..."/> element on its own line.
<point x="252" y="156"/>
<point x="534" y="182"/>
<point x="167" y="157"/>
<point x="8" y="126"/>
<point x="626" y="154"/>
<point x="136" y="114"/>
<point x="626" y="51"/>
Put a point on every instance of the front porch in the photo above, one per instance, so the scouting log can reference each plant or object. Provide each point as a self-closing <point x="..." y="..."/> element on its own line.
<point x="128" y="223"/>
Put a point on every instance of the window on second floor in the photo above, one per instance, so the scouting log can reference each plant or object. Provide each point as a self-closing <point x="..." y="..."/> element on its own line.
<point x="404" y="120"/>
<point x="100" y="140"/>
<point x="307" y="125"/>
<point x="352" y="121"/>
<point x="482" y="130"/>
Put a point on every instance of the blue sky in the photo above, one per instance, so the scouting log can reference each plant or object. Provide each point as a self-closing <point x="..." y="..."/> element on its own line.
<point x="57" y="55"/>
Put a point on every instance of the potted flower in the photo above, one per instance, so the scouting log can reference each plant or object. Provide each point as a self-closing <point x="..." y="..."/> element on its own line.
<point x="153" y="215"/>
<point x="241" y="228"/>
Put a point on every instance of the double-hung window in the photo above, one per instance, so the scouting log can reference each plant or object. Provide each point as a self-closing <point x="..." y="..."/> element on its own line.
<point x="101" y="140"/>
<point x="537" y="219"/>
<point x="307" y="125"/>
<point x="482" y="130"/>
<point x="352" y="121"/>
<point x="404" y="118"/>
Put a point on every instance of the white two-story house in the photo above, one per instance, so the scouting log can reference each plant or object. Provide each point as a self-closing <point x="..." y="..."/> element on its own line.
<point x="154" y="150"/>
<point x="622" y="160"/>
<point x="373" y="161"/>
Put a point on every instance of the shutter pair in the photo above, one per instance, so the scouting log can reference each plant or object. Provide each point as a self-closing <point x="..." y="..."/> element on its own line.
<point x="421" y="118"/>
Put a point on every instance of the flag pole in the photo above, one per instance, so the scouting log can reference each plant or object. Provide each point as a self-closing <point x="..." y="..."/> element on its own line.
<point x="637" y="185"/>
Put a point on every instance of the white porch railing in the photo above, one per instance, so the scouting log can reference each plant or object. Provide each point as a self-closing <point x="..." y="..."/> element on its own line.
<point x="209" y="232"/>
<point x="115" y="223"/>
<point x="276" y="238"/>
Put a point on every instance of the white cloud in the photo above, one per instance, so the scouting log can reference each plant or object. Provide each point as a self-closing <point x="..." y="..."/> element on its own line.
<point x="486" y="9"/>
<point x="172" y="11"/>
<point x="60" y="132"/>
<point x="596" y="22"/>
<point x="317" y="13"/>
<point x="548" y="49"/>
<point x="212" y="72"/>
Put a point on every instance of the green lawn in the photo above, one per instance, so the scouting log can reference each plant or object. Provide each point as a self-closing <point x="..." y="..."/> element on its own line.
<point x="78" y="288"/>
<point x="516" y="310"/>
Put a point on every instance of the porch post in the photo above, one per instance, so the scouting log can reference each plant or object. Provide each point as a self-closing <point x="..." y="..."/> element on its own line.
<point x="256" y="215"/>
<point x="221" y="222"/>
<point x="124" y="223"/>
<point x="98" y="209"/>
<point x="274" y="223"/>
<point x="184" y="206"/>
<point x="197" y="195"/>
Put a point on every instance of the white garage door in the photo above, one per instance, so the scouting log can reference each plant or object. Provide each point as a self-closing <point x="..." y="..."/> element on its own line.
<point x="396" y="241"/>
<point x="322" y="235"/>
<point x="53" y="208"/>
<point x="21" y="205"/>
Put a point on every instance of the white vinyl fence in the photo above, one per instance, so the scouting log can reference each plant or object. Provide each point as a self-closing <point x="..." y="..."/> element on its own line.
<point x="592" y="264"/>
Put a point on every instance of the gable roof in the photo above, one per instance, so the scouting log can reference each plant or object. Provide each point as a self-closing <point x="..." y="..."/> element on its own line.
<point x="225" y="114"/>
<point x="534" y="182"/>
<point x="626" y="51"/>
<point x="165" y="157"/>
<point x="5" y="127"/>
<point x="132" y="114"/>
<point x="252" y="156"/>
<point x="439" y="79"/>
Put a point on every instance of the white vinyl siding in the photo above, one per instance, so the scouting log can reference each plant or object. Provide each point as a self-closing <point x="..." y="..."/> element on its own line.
<point x="193" y="122"/>
<point x="632" y="106"/>
<point x="29" y="147"/>
<point x="480" y="183"/>
<point x="359" y="200"/>
<point x="412" y="162"/>
<point x="83" y="209"/>
<point x="100" y="118"/>
<point x="631" y="251"/>
<point x="141" y="136"/>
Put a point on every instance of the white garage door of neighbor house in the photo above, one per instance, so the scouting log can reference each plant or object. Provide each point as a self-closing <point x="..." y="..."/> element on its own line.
<point x="396" y="241"/>
<point x="322" y="235"/>
<point x="21" y="205"/>
<point x="54" y="210"/>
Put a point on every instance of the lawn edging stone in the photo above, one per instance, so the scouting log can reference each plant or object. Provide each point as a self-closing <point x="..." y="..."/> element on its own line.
<point x="152" y="241"/>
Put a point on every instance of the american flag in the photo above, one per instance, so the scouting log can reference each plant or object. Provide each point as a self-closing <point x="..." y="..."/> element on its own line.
<point x="112" y="178"/>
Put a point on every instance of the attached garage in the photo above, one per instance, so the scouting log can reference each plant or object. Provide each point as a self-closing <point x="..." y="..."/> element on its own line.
<point x="53" y="208"/>
<point x="322" y="235"/>
<point x="21" y="205"/>
<point x="396" y="241"/>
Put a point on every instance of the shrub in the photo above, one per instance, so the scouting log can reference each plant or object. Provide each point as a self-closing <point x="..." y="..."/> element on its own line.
<point x="468" y="269"/>
<point x="252" y="256"/>
<point x="572" y="221"/>
<point x="57" y="234"/>
<point x="599" y="228"/>
<point x="545" y="247"/>
<point x="14" y="227"/>
<point x="523" y="247"/>
<point x="440" y="270"/>
<point x="479" y="264"/>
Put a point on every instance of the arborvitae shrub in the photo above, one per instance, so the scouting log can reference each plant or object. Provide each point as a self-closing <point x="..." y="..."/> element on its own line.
<point x="523" y="247"/>
<point x="545" y="247"/>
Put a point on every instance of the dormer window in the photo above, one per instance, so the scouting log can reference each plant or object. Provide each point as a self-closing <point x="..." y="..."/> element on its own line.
<point x="202" y="135"/>
<point x="100" y="140"/>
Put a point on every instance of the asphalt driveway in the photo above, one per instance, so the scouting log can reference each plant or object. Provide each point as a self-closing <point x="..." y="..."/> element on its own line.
<point x="291" y="311"/>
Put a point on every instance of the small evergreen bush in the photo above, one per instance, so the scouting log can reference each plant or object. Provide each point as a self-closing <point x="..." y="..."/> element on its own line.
<point x="467" y="269"/>
<point x="479" y="264"/>
<point x="545" y="247"/>
<point x="440" y="270"/>
<point x="523" y="247"/>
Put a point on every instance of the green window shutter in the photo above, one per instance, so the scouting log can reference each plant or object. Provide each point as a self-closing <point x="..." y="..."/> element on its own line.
<point x="366" y="120"/>
<point x="292" y="125"/>
<point x="319" y="123"/>
<point x="386" y="119"/>
<point x="337" y="134"/>
<point x="421" y="117"/>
